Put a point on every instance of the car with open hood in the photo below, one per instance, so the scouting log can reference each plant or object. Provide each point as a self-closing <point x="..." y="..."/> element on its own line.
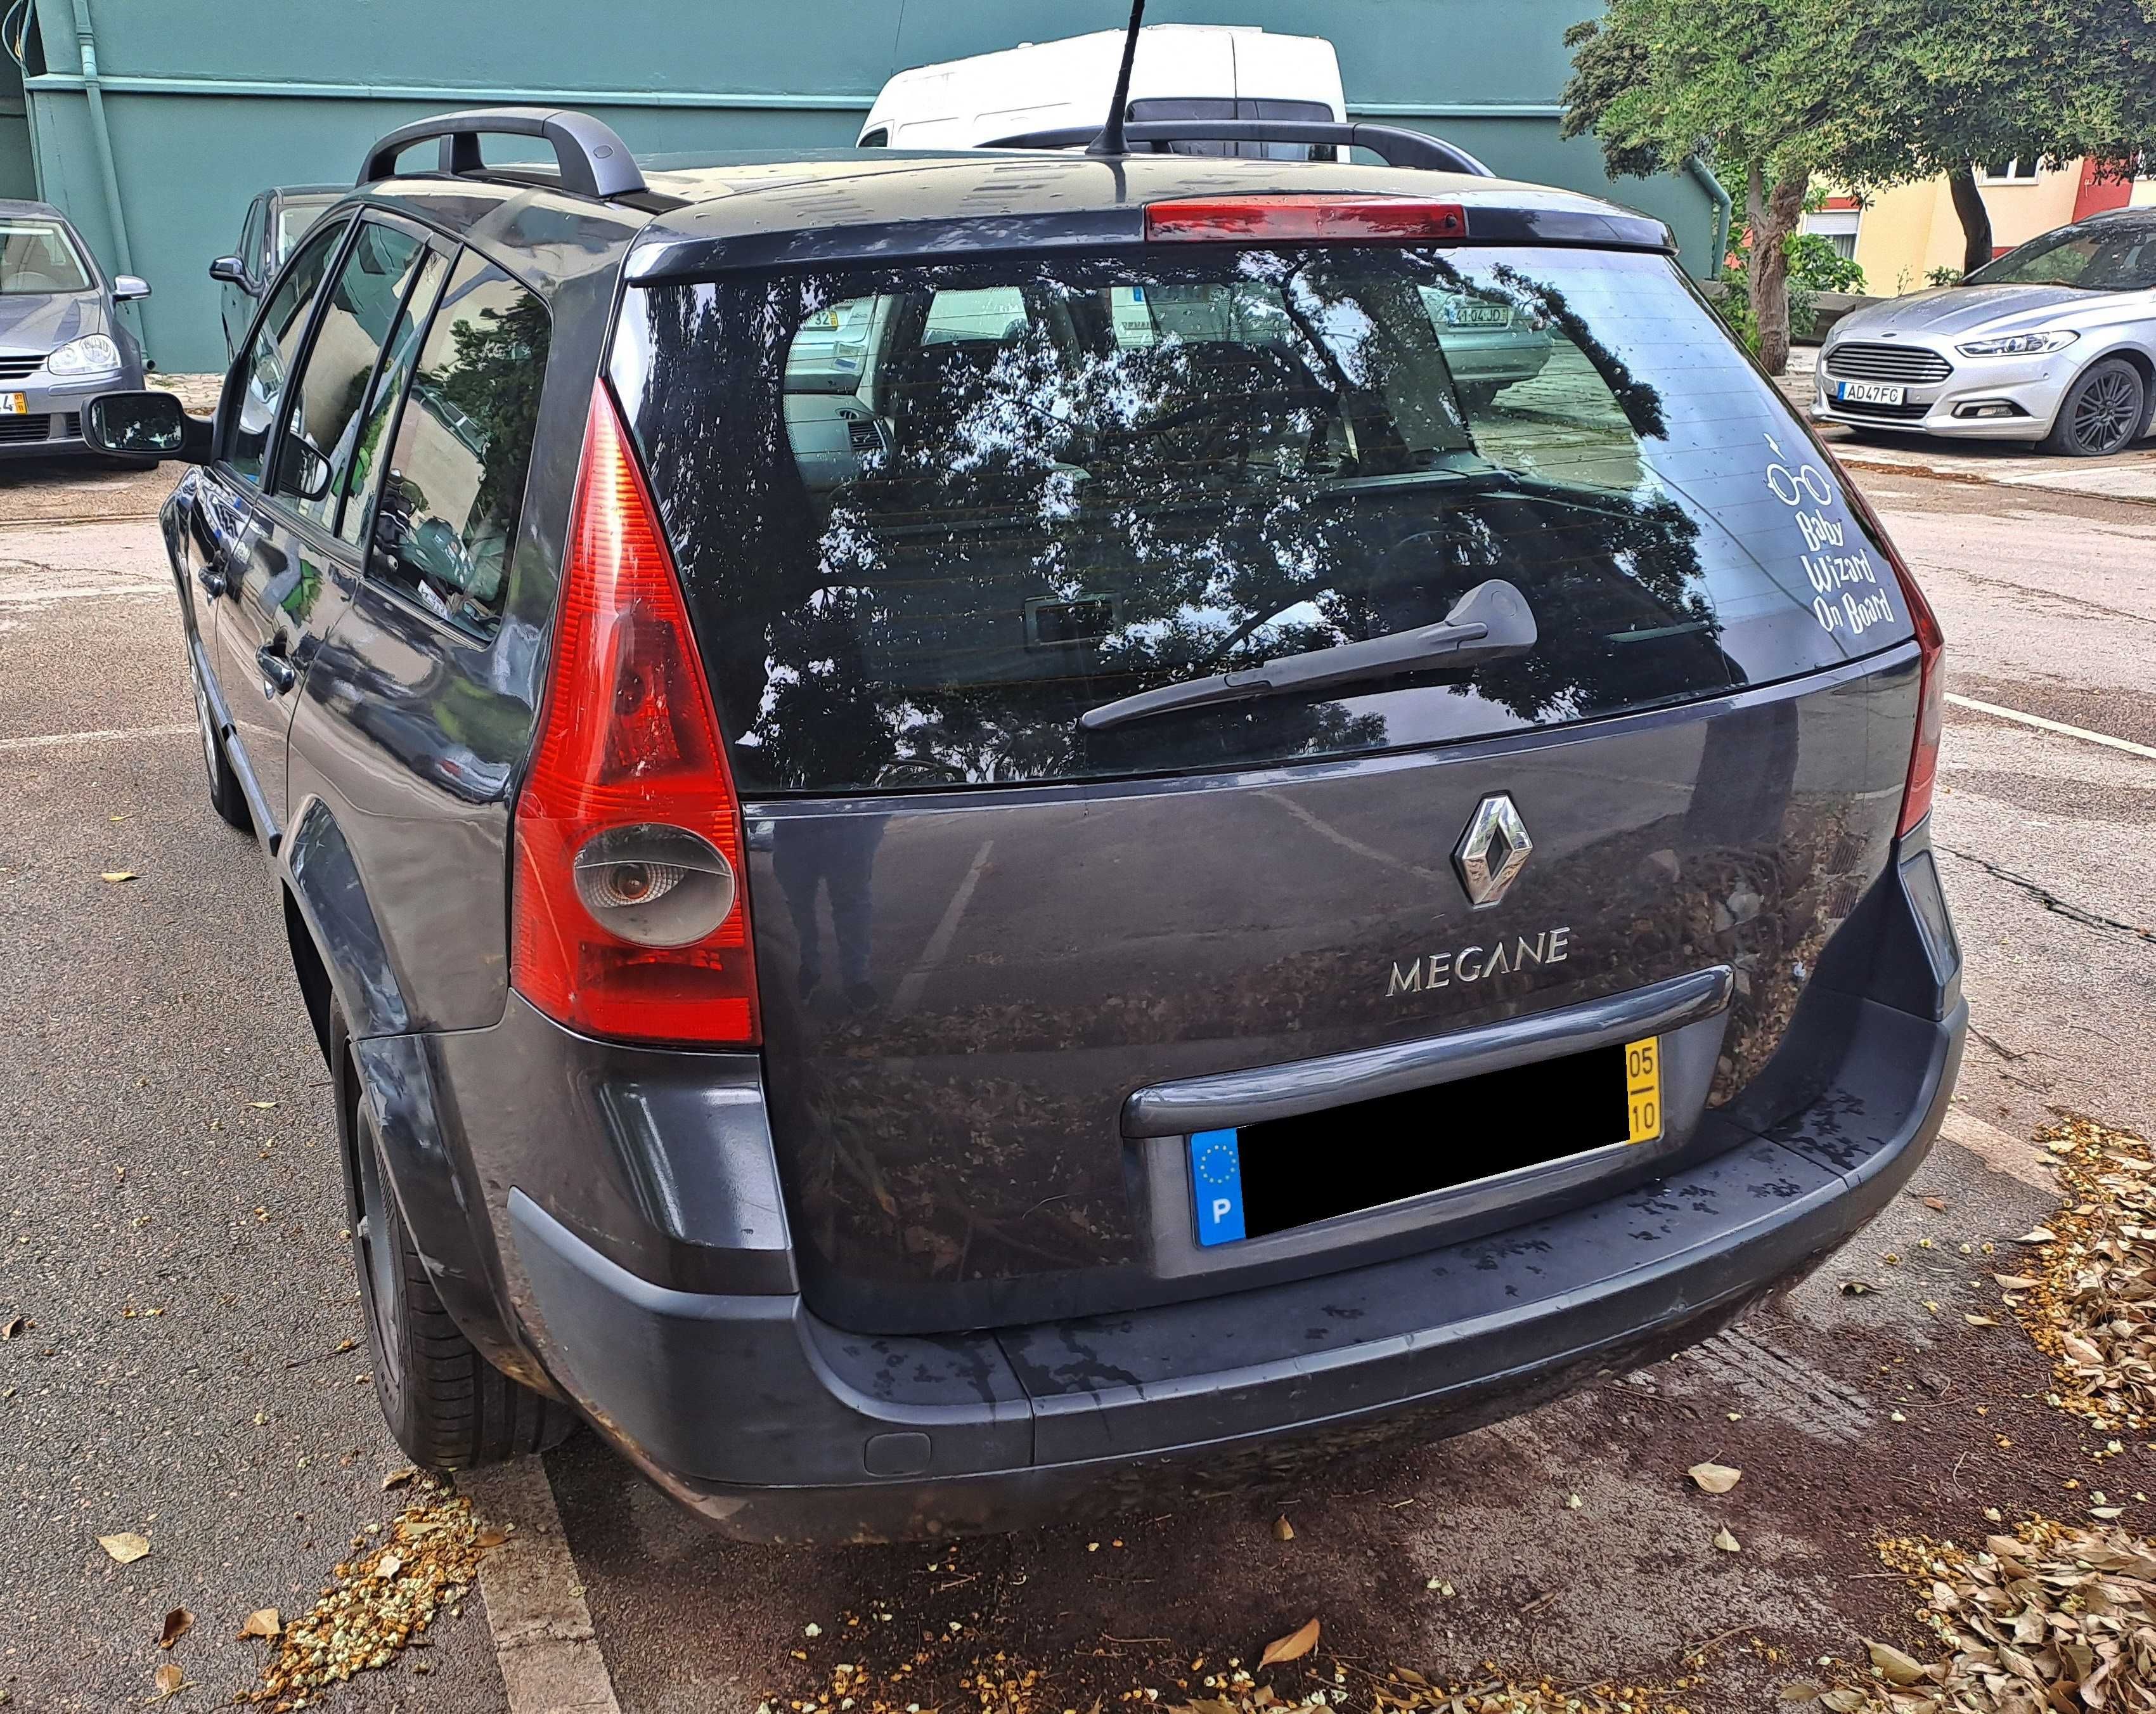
<point x="963" y="832"/>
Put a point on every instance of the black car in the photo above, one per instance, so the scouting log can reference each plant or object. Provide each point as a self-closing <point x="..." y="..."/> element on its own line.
<point x="958" y="831"/>
<point x="276" y="220"/>
<point x="61" y="337"/>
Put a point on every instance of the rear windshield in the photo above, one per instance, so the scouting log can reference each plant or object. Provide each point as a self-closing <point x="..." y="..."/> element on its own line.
<point x="926" y="519"/>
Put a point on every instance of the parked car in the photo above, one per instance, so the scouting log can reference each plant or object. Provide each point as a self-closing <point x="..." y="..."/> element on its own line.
<point x="276" y="220"/>
<point x="1181" y="71"/>
<point x="1186" y="898"/>
<point x="2053" y="342"/>
<point x="61" y="337"/>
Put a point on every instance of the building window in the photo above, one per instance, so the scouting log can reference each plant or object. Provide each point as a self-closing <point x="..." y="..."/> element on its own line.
<point x="2012" y="171"/>
<point x="1838" y="227"/>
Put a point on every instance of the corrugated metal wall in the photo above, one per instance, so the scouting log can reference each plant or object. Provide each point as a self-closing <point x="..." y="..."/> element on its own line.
<point x="207" y="101"/>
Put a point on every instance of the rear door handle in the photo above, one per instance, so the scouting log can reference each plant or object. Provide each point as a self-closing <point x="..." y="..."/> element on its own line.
<point x="212" y="580"/>
<point x="279" y="675"/>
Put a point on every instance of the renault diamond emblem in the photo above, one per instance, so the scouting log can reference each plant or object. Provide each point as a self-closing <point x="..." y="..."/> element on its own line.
<point x="1492" y="851"/>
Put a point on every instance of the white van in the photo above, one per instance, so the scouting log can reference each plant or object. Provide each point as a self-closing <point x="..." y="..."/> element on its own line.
<point x="1182" y="71"/>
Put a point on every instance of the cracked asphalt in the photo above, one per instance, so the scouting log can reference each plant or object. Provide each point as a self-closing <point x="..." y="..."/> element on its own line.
<point x="173" y="1249"/>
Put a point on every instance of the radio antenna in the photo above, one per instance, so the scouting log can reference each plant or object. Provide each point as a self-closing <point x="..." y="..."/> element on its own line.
<point x="1111" y="139"/>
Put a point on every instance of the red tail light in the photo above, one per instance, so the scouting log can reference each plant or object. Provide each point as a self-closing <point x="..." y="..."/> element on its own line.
<point x="631" y="915"/>
<point x="1227" y="219"/>
<point x="1931" y="650"/>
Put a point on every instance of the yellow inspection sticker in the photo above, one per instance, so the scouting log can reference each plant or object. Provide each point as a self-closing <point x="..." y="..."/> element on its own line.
<point x="1643" y="1087"/>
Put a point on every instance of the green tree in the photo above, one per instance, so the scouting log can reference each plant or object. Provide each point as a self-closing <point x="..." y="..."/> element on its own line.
<point x="1865" y="92"/>
<point x="1769" y="92"/>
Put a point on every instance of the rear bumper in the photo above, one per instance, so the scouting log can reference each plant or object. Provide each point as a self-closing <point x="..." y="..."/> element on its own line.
<point x="776" y="1426"/>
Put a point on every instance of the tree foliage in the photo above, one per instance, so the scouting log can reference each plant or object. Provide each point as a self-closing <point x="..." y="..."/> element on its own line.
<point x="1867" y="93"/>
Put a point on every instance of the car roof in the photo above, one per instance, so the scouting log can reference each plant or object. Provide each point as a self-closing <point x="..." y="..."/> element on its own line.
<point x="28" y="205"/>
<point x="309" y="193"/>
<point x="838" y="205"/>
<point x="851" y="202"/>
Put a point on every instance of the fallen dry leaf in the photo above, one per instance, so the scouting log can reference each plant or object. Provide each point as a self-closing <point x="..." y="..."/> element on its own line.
<point x="1714" y="1478"/>
<point x="1979" y="1320"/>
<point x="117" y="875"/>
<point x="1283" y="1531"/>
<point x="1293" y="1647"/>
<point x="1935" y="1205"/>
<point x="2015" y="1282"/>
<point x="2041" y="1234"/>
<point x="178" y="1624"/>
<point x="388" y="1567"/>
<point x="126" y="1547"/>
<point x="1896" y="1667"/>
<point x="13" y="1325"/>
<point x="1727" y="1542"/>
<point x="264" y="1105"/>
<point x="398" y="1478"/>
<point x="261" y="1623"/>
<point x="491" y="1538"/>
<point x="169" y="1679"/>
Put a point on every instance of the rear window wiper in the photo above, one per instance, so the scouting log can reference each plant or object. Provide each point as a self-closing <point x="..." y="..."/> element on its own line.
<point x="1491" y="622"/>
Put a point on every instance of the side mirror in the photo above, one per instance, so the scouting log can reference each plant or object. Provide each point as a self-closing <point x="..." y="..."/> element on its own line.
<point x="301" y="470"/>
<point x="227" y="269"/>
<point x="145" y="425"/>
<point x="128" y="288"/>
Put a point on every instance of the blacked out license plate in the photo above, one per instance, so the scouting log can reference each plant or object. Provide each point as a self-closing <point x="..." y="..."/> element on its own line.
<point x="1260" y="1179"/>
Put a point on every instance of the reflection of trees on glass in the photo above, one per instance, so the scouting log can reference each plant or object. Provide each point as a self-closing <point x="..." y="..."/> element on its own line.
<point x="464" y="446"/>
<point x="1053" y="487"/>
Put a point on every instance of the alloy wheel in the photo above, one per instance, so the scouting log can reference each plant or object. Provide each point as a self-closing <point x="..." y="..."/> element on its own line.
<point x="2106" y="412"/>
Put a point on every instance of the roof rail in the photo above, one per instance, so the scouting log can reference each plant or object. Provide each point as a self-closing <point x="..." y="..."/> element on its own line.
<point x="593" y="162"/>
<point x="1395" y="146"/>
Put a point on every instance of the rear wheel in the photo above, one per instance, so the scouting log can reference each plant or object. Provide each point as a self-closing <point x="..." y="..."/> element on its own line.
<point x="225" y="796"/>
<point x="447" y="1407"/>
<point x="2104" y="410"/>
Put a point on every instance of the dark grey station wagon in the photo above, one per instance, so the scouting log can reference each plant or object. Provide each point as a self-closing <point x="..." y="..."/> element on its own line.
<point x="962" y="830"/>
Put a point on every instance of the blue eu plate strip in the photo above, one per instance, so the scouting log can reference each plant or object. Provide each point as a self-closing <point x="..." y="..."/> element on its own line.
<point x="1216" y="1183"/>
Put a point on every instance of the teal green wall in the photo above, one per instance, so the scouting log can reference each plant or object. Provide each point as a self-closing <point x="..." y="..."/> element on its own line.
<point x="207" y="101"/>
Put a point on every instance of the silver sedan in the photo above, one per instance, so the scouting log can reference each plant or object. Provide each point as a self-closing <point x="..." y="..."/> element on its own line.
<point x="2053" y="342"/>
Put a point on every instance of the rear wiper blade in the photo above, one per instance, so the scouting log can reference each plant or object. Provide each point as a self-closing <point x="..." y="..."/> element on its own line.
<point x="1491" y="622"/>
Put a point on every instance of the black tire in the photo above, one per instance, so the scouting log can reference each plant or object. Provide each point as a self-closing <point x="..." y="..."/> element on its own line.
<point x="448" y="1407"/>
<point x="225" y="796"/>
<point x="2104" y="411"/>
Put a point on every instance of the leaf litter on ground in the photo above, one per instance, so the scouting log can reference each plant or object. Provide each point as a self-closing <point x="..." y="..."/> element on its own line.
<point x="381" y="1599"/>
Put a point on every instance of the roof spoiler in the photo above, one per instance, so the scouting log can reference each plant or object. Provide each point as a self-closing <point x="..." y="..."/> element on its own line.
<point x="593" y="162"/>
<point x="1391" y="144"/>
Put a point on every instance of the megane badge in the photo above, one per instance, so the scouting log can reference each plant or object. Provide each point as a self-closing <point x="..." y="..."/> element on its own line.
<point x="1492" y="851"/>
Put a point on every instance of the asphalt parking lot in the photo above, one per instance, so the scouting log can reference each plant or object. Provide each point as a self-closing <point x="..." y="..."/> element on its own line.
<point x="178" y="1320"/>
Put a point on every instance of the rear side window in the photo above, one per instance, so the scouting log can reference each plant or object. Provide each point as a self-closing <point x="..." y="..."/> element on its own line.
<point x="446" y="514"/>
<point x="363" y="475"/>
<point x="331" y="395"/>
<point x="268" y="364"/>
<point x="1054" y="484"/>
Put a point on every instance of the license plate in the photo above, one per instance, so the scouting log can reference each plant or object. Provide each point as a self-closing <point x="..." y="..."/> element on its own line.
<point x="1870" y="393"/>
<point x="14" y="405"/>
<point x="1480" y="315"/>
<point x="1261" y="1179"/>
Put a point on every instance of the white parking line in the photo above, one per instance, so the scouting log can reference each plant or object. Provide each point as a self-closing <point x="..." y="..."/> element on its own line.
<point x="56" y="740"/>
<point x="550" y="1658"/>
<point x="2058" y="726"/>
